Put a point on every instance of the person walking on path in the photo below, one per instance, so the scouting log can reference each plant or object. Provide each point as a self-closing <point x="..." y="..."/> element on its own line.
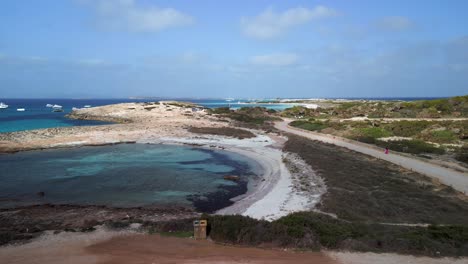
<point x="386" y="150"/>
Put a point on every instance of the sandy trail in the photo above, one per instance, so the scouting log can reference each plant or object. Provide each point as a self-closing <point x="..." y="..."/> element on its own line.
<point x="455" y="179"/>
<point x="120" y="247"/>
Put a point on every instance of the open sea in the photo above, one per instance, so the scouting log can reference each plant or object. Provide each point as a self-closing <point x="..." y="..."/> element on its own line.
<point x="37" y="115"/>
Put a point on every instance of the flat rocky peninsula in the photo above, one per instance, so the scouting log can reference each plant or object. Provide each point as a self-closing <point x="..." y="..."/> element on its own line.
<point x="134" y="122"/>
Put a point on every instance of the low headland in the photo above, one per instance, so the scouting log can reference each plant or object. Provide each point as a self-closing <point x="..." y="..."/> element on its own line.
<point x="309" y="196"/>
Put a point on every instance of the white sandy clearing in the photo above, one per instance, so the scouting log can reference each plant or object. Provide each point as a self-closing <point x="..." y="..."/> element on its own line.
<point x="389" y="258"/>
<point x="274" y="195"/>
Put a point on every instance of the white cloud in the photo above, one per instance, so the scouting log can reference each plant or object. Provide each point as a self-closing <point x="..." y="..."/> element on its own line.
<point x="277" y="59"/>
<point x="129" y="16"/>
<point x="395" y="23"/>
<point x="270" y="24"/>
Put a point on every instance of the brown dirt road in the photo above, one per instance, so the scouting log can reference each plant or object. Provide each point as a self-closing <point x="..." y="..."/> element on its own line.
<point x="157" y="249"/>
<point x="105" y="248"/>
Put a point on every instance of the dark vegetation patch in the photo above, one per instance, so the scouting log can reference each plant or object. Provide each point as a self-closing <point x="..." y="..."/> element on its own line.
<point x="410" y="146"/>
<point x="110" y="119"/>
<point x="361" y="188"/>
<point x="307" y="125"/>
<point x="407" y="128"/>
<point x="223" y="131"/>
<point x="250" y="117"/>
<point x="312" y="231"/>
<point x="181" y="104"/>
<point x="462" y="154"/>
<point x="149" y="108"/>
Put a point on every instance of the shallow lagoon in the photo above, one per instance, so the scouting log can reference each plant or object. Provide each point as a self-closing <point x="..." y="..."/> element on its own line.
<point x="125" y="175"/>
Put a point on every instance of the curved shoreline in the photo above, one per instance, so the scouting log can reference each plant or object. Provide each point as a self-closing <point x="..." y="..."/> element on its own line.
<point x="271" y="197"/>
<point x="274" y="195"/>
<point x="265" y="197"/>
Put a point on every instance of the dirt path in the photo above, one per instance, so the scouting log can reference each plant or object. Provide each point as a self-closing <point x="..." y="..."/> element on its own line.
<point x="455" y="179"/>
<point x="134" y="248"/>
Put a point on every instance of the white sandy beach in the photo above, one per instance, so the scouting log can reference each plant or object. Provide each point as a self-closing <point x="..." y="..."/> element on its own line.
<point x="272" y="197"/>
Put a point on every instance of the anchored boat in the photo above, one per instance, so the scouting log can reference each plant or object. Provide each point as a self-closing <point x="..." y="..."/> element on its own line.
<point x="57" y="108"/>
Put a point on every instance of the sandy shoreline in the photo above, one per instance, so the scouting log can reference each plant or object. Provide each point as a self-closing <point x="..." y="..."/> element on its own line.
<point x="270" y="198"/>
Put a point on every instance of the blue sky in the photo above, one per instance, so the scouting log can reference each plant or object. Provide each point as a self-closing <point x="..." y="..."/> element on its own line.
<point x="334" y="48"/>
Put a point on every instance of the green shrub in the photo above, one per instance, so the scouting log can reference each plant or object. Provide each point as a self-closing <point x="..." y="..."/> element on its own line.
<point x="369" y="134"/>
<point x="462" y="154"/>
<point x="442" y="136"/>
<point x="220" y="110"/>
<point x="312" y="230"/>
<point x="311" y="126"/>
<point x="406" y="128"/>
<point x="374" y="132"/>
<point x="329" y="231"/>
<point x="414" y="146"/>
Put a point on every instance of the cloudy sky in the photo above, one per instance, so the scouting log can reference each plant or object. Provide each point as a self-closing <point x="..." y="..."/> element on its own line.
<point x="243" y="48"/>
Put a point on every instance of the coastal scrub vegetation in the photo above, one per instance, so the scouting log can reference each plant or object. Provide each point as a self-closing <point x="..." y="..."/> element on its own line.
<point x="446" y="107"/>
<point x="312" y="231"/>
<point x="307" y="125"/>
<point x="413" y="146"/>
<point x="365" y="189"/>
<point x="223" y="131"/>
<point x="416" y="137"/>
<point x="462" y="154"/>
<point x="250" y="117"/>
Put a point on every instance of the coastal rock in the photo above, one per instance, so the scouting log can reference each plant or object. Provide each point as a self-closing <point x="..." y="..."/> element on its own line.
<point x="232" y="178"/>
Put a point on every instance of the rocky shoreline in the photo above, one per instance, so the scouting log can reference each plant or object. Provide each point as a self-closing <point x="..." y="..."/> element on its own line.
<point x="25" y="223"/>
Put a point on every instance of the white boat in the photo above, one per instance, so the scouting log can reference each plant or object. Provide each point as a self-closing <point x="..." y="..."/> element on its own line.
<point x="20" y="109"/>
<point x="3" y="106"/>
<point x="57" y="108"/>
<point x="229" y="99"/>
<point x="87" y="106"/>
<point x="49" y="105"/>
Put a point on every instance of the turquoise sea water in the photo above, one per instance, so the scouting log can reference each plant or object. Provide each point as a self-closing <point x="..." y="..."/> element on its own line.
<point x="125" y="175"/>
